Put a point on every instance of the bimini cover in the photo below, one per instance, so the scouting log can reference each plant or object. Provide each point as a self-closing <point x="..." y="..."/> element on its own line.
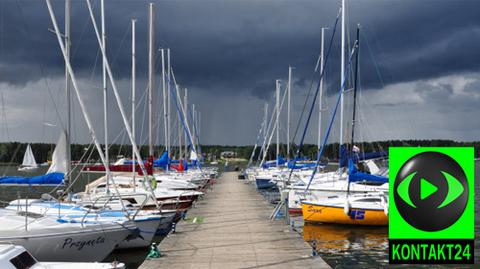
<point x="47" y="179"/>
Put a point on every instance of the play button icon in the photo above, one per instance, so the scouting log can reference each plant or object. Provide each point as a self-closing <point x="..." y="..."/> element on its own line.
<point x="426" y="189"/>
<point x="430" y="191"/>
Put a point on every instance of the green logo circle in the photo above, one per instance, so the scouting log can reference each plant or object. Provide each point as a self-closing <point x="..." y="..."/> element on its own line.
<point x="431" y="191"/>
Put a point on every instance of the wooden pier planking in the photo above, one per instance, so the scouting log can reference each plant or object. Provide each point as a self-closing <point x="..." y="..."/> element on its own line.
<point x="235" y="233"/>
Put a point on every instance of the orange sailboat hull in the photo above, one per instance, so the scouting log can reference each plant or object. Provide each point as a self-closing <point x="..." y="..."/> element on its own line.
<point x="331" y="214"/>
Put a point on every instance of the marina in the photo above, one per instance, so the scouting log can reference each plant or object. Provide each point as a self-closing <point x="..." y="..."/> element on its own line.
<point x="238" y="134"/>
<point x="231" y="228"/>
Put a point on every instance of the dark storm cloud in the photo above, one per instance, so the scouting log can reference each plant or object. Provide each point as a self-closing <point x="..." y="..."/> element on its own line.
<point x="238" y="48"/>
<point x="242" y="45"/>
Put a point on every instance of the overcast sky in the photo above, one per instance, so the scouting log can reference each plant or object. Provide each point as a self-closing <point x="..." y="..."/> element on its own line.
<point x="419" y="71"/>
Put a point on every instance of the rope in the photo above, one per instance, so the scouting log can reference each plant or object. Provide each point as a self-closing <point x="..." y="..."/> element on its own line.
<point x="342" y="88"/>
<point x="312" y="80"/>
<point x="315" y="96"/>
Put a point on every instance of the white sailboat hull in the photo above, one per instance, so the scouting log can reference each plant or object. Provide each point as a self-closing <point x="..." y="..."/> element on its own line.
<point x="339" y="188"/>
<point x="67" y="244"/>
<point x="147" y="228"/>
<point x="27" y="168"/>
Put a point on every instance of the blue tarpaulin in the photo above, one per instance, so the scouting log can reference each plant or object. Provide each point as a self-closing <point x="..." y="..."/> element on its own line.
<point x="280" y="160"/>
<point x="163" y="161"/>
<point x="358" y="156"/>
<point x="296" y="165"/>
<point x="47" y="179"/>
<point x="132" y="162"/>
<point x="354" y="175"/>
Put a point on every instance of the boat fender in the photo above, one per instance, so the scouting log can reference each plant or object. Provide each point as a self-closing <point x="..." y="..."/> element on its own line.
<point x="153" y="182"/>
<point x="384" y="204"/>
<point x="154" y="252"/>
<point x="346" y="208"/>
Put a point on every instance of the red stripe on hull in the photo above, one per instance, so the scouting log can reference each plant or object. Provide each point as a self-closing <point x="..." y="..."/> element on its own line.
<point x="295" y="211"/>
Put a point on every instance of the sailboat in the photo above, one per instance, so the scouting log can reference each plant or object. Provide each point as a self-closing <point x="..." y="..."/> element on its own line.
<point x="370" y="208"/>
<point x="29" y="163"/>
<point x="55" y="174"/>
<point x="57" y="240"/>
<point x="147" y="221"/>
<point x="357" y="209"/>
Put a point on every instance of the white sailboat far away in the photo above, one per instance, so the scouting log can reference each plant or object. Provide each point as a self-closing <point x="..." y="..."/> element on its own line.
<point x="29" y="162"/>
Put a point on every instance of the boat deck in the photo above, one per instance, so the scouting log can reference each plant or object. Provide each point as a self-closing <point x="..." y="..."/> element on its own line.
<point x="233" y="230"/>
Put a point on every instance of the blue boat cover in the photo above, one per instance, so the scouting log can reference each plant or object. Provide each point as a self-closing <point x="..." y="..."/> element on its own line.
<point x="280" y="159"/>
<point x="360" y="156"/>
<point x="163" y="161"/>
<point x="47" y="179"/>
<point x="132" y="162"/>
<point x="294" y="165"/>
<point x="354" y="175"/>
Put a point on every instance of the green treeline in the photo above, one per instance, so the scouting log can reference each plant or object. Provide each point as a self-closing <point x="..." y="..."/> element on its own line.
<point x="331" y="150"/>
<point x="12" y="152"/>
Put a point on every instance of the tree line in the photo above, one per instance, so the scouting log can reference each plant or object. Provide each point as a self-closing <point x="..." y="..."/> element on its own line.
<point x="12" y="152"/>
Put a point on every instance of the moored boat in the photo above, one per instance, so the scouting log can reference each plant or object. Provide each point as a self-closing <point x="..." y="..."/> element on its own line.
<point x="28" y="163"/>
<point x="58" y="240"/>
<point x="17" y="257"/>
<point x="362" y="209"/>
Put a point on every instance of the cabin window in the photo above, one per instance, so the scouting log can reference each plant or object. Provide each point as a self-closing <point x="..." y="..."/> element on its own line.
<point x="100" y="188"/>
<point x="23" y="261"/>
<point x="368" y="200"/>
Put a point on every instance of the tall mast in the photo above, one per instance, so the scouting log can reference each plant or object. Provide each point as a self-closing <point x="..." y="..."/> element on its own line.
<point x="322" y="81"/>
<point x="277" y="86"/>
<point x="355" y="83"/>
<point x="199" y="122"/>
<point x="168" y="105"/>
<point x="265" y="132"/>
<point x="180" y="133"/>
<point x="75" y="87"/>
<point x="133" y="101"/>
<point x="194" y="141"/>
<point x="185" y="108"/>
<point x="164" y="96"/>
<point x="288" y="109"/>
<point x="342" y="74"/>
<point x="67" y="90"/>
<point x="117" y="98"/>
<point x="265" y="119"/>
<point x="104" y="76"/>
<point x="151" y="75"/>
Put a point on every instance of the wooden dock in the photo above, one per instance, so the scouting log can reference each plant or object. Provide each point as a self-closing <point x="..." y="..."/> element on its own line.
<point x="232" y="230"/>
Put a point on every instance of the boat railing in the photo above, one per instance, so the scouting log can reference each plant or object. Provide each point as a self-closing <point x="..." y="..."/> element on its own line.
<point x="107" y="198"/>
<point x="4" y="203"/>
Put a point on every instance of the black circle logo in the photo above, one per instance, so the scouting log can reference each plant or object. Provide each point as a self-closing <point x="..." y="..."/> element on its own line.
<point x="431" y="191"/>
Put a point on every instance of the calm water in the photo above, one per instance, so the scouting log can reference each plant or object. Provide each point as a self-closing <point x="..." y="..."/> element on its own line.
<point x="360" y="247"/>
<point x="132" y="258"/>
<point x="339" y="246"/>
<point x="8" y="193"/>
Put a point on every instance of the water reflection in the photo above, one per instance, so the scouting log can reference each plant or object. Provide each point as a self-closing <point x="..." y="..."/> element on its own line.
<point x="363" y="245"/>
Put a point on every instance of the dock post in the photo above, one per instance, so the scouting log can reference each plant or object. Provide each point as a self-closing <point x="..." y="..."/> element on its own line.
<point x="287" y="216"/>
